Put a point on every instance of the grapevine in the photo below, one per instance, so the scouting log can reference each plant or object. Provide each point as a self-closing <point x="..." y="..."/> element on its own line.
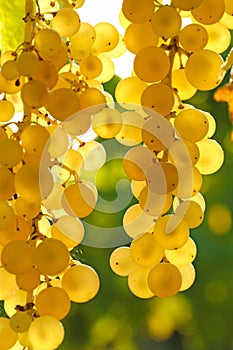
<point x="59" y="128"/>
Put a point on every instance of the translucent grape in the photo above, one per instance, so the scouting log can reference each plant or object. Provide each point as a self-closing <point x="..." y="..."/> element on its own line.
<point x="93" y="155"/>
<point x="35" y="94"/>
<point x="121" y="261"/>
<point x="108" y="69"/>
<point x="7" y="110"/>
<point x="27" y="63"/>
<point x="17" y="257"/>
<point x="107" y="123"/>
<point x="159" y="98"/>
<point x="184" y="255"/>
<point x="190" y="182"/>
<point x="66" y="22"/>
<point x="219" y="37"/>
<point x="53" y="201"/>
<point x="18" y="298"/>
<point x="228" y="7"/>
<point x="79" y="123"/>
<point x="47" y="73"/>
<point x="187" y="5"/>
<point x="6" y="215"/>
<point x="191" y="212"/>
<point x="136" y="11"/>
<point x="34" y="139"/>
<point x="10" y="86"/>
<point x="147" y="59"/>
<point x="53" y="301"/>
<point x="29" y="279"/>
<point x="164" y="280"/>
<point x="81" y="283"/>
<point x="130" y="133"/>
<point x="6" y="183"/>
<point x="8" y="336"/>
<point x="162" y="177"/>
<point x="193" y="37"/>
<point x="138" y="283"/>
<point x="27" y="209"/>
<point x="211" y="156"/>
<point x="93" y="99"/>
<point x="183" y="153"/>
<point x="82" y="41"/>
<point x="27" y="181"/>
<point x="137" y="187"/>
<point x="73" y="160"/>
<point x="8" y="286"/>
<point x="58" y="142"/>
<point x="51" y="257"/>
<point x="154" y="204"/>
<point x="46" y="333"/>
<point x="63" y="103"/>
<point x="20" y="322"/>
<point x="11" y="153"/>
<point x="209" y="11"/>
<point x="9" y="70"/>
<point x="188" y="275"/>
<point x="91" y="67"/>
<point x="107" y="37"/>
<point x="166" y="22"/>
<point x="19" y="229"/>
<point x="128" y="92"/>
<point x="136" y="162"/>
<point x="3" y="134"/>
<point x="47" y="42"/>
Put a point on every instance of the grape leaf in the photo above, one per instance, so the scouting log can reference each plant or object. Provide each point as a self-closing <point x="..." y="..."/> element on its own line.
<point x="11" y="24"/>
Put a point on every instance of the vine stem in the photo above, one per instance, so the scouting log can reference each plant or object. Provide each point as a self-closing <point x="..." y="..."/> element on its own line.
<point x="29" y="21"/>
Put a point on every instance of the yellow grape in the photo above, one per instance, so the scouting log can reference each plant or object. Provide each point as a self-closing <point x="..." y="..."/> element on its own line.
<point x="211" y="156"/>
<point x="8" y="55"/>
<point x="147" y="59"/>
<point x="3" y="134"/>
<point x="47" y="73"/>
<point x="91" y="67"/>
<point x="191" y="124"/>
<point x="108" y="69"/>
<point x="55" y="248"/>
<point x="166" y="22"/>
<point x="69" y="230"/>
<point x="46" y="333"/>
<point x="58" y="142"/>
<point x="118" y="50"/>
<point x="139" y="35"/>
<point x="8" y="286"/>
<point x="227" y="20"/>
<point x="17" y="257"/>
<point x="188" y="275"/>
<point x="66" y="22"/>
<point x="73" y="160"/>
<point x="63" y="103"/>
<point x="29" y="279"/>
<point x="10" y="86"/>
<point x="81" y="282"/>
<point x="130" y="133"/>
<point x="34" y="139"/>
<point x="164" y="280"/>
<point x="107" y="37"/>
<point x="209" y="11"/>
<point x="47" y="42"/>
<point x="137" y="11"/>
<point x="158" y="98"/>
<point x="53" y="200"/>
<point x="198" y="198"/>
<point x="82" y="41"/>
<point x="180" y="82"/>
<point x="219" y="37"/>
<point x="93" y="99"/>
<point x="187" y="5"/>
<point x="19" y="229"/>
<point x="162" y="177"/>
<point x="194" y="37"/>
<point x="9" y="70"/>
<point x="27" y="209"/>
<point x="79" y="200"/>
<point x="8" y="336"/>
<point x="7" y="110"/>
<point x="137" y="187"/>
<point x="184" y="255"/>
<point x="138" y="283"/>
<point x="228" y="7"/>
<point x="212" y="124"/>
<point x="93" y="155"/>
<point x="27" y="63"/>
<point x="154" y="204"/>
<point x="6" y="215"/>
<point x="59" y="59"/>
<point x="75" y="3"/>
<point x="190" y="182"/>
<point x="79" y="123"/>
<point x="18" y="298"/>
<point x="11" y="153"/>
<point x="35" y="94"/>
<point x="183" y="153"/>
<point x="171" y="231"/>
<point x="53" y="301"/>
<point x="136" y="162"/>
<point x="128" y="92"/>
<point x="121" y="261"/>
<point x="27" y="182"/>
<point x="6" y="183"/>
<point x="107" y="123"/>
<point x="20" y="322"/>
<point x="191" y="212"/>
<point x="146" y="251"/>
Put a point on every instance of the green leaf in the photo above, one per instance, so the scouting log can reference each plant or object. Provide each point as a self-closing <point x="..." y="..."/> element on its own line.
<point x="11" y="24"/>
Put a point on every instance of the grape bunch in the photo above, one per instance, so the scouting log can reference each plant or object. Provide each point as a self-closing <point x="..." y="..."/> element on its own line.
<point x="52" y="100"/>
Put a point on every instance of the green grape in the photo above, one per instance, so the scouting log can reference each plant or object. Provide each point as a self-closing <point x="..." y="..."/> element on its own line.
<point x="27" y="63"/>
<point x="20" y="322"/>
<point x="46" y="333"/>
<point x="8" y="336"/>
<point x="130" y="133"/>
<point x="184" y="255"/>
<point x="194" y="37"/>
<point x="66" y="22"/>
<point x="171" y="231"/>
<point x="183" y="153"/>
<point x="137" y="11"/>
<point x="11" y="153"/>
<point x="19" y="229"/>
<point x="136" y="162"/>
<point x="29" y="279"/>
<point x="164" y="280"/>
<point x="136" y="221"/>
<point x="6" y="183"/>
<point x="147" y="59"/>
<point x="91" y="67"/>
<point x="7" y="110"/>
<point x="121" y="261"/>
<point x="63" y="103"/>
<point x="17" y="257"/>
<point x="18" y="298"/>
<point x="53" y="301"/>
<point x="159" y="98"/>
<point x="6" y="215"/>
<point x="79" y="200"/>
<point x="154" y="204"/>
<point x="219" y="37"/>
<point x="162" y="177"/>
<point x="188" y="275"/>
<point x="93" y="155"/>
<point x="27" y="209"/>
<point x="146" y="251"/>
<point x="190" y="182"/>
<point x="139" y="35"/>
<point x="209" y="11"/>
<point x="9" y="70"/>
<point x="107" y="37"/>
<point x="34" y="139"/>
<point x="107" y="123"/>
<point x="180" y="82"/>
<point x="128" y="92"/>
<point x="81" y="282"/>
<point x="68" y="230"/>
<point x="47" y="73"/>
<point x="51" y="257"/>
<point x="35" y="94"/>
<point x="47" y="42"/>
<point x="58" y="142"/>
<point x="93" y="99"/>
<point x="166" y="22"/>
<point x="211" y="156"/>
<point x="138" y="283"/>
<point x="191" y="124"/>
<point x="228" y="7"/>
<point x="8" y="286"/>
<point x="187" y="5"/>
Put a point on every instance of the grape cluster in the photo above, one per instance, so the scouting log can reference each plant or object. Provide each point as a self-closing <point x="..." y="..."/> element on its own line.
<point x="51" y="97"/>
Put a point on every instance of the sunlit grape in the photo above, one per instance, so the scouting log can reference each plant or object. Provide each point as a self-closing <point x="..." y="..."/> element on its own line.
<point x="158" y="97"/>
<point x="211" y="156"/>
<point x="27" y="63"/>
<point x="20" y="322"/>
<point x="47" y="42"/>
<point x="187" y="5"/>
<point x="107" y="37"/>
<point x="91" y="67"/>
<point x="184" y="255"/>
<point x="17" y="257"/>
<point x="6" y="183"/>
<point x="128" y="92"/>
<point x="138" y="283"/>
<point x="166" y="22"/>
<point x="6" y="215"/>
<point x="47" y="73"/>
<point x="63" y="103"/>
<point x="66" y="22"/>
<point x="9" y="70"/>
<point x="121" y="261"/>
<point x="35" y="94"/>
<point x="8" y="336"/>
<point x="11" y="153"/>
<point x="29" y="279"/>
<point x="7" y="110"/>
<point x="19" y="229"/>
<point x="107" y="123"/>
<point x="209" y="11"/>
<point x="136" y="11"/>
<point x="188" y="275"/>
